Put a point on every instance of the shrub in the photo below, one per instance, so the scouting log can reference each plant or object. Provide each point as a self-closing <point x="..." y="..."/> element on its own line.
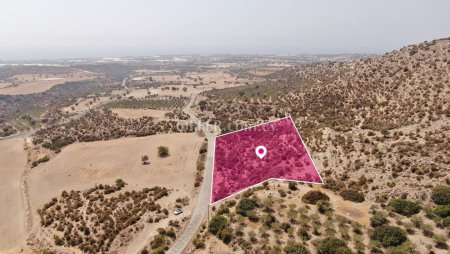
<point x="295" y="248"/>
<point x="293" y="186"/>
<point x="378" y="219"/>
<point x="389" y="235"/>
<point x="324" y="206"/>
<point x="404" y="207"/>
<point x="217" y="223"/>
<point x="446" y="222"/>
<point x="245" y="206"/>
<point x="312" y="197"/>
<point x="163" y="151"/>
<point x="332" y="245"/>
<point x="199" y="243"/>
<point x="442" y="211"/>
<point x="441" y="195"/>
<point x="352" y="195"/>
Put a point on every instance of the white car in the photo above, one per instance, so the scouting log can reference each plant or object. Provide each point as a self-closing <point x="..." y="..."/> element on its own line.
<point x="177" y="211"/>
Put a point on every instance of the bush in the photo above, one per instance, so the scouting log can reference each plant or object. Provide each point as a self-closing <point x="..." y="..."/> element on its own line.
<point x="217" y="223"/>
<point x="295" y="248"/>
<point x="446" y="222"/>
<point x="312" y="197"/>
<point x="389" y="235"/>
<point x="332" y="245"/>
<point x="441" y="195"/>
<point x="199" y="243"/>
<point x="324" y="206"/>
<point x="163" y="151"/>
<point x="404" y="207"/>
<point x="442" y="211"/>
<point x="293" y="186"/>
<point x="352" y="195"/>
<point x="245" y="206"/>
<point x="378" y="219"/>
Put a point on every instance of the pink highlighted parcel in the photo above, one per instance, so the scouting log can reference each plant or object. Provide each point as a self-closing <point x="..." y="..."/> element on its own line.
<point x="272" y="150"/>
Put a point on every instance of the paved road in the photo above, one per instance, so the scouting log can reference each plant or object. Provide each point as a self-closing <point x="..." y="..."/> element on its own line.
<point x="204" y="196"/>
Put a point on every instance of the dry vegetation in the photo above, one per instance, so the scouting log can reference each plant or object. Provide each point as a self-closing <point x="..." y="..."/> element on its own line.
<point x="379" y="126"/>
<point x="93" y="219"/>
<point x="290" y="218"/>
<point x="101" y="124"/>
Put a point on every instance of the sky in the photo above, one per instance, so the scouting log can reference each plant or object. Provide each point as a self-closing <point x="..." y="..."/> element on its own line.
<point x="53" y="29"/>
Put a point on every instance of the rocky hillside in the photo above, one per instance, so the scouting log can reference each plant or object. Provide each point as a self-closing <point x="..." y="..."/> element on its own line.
<point x="379" y="125"/>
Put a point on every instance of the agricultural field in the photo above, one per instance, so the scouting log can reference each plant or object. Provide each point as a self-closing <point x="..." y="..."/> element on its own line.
<point x="150" y="102"/>
<point x="36" y="83"/>
<point x="13" y="161"/>
<point x="83" y="166"/>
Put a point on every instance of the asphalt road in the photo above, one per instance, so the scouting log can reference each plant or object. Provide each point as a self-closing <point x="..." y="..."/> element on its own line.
<point x="204" y="196"/>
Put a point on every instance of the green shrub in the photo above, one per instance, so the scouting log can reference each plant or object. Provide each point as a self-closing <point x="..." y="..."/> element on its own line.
<point x="295" y="248"/>
<point x="163" y="151"/>
<point x="324" y="206"/>
<point x="199" y="243"/>
<point x="312" y="197"/>
<point x="378" y="219"/>
<point x="442" y="211"/>
<point x="245" y="206"/>
<point x="217" y="223"/>
<point x="332" y="245"/>
<point x="441" y="195"/>
<point x="352" y="195"/>
<point x="389" y="235"/>
<point x="446" y="222"/>
<point x="404" y="207"/>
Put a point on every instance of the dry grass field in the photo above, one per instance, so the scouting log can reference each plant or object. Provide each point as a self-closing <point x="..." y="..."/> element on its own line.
<point x="34" y="83"/>
<point x="13" y="161"/>
<point x="83" y="165"/>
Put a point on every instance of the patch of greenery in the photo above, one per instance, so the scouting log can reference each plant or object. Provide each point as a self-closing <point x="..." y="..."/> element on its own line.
<point x="332" y="245"/>
<point x="404" y="207"/>
<point x="442" y="211"/>
<point x="312" y="197"/>
<point x="441" y="195"/>
<point x="378" y="219"/>
<point x="245" y="206"/>
<point x="163" y="151"/>
<point x="218" y="223"/>
<point x="295" y="248"/>
<point x="352" y="195"/>
<point x="389" y="235"/>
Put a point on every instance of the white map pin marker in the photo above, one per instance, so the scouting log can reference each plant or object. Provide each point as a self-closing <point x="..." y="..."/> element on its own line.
<point x="261" y="151"/>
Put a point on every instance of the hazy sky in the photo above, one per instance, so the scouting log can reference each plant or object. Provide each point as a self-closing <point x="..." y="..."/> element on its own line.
<point x="92" y="28"/>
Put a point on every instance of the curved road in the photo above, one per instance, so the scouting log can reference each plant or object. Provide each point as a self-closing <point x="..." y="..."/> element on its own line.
<point x="204" y="196"/>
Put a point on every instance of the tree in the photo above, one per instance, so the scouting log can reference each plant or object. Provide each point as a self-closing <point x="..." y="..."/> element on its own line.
<point x="404" y="207"/>
<point x="144" y="159"/>
<point x="312" y="197"/>
<point x="163" y="151"/>
<point x="441" y="195"/>
<point x="245" y="206"/>
<point x="217" y="223"/>
<point x="332" y="245"/>
<point x="295" y="248"/>
<point x="352" y="195"/>
<point x="389" y="235"/>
